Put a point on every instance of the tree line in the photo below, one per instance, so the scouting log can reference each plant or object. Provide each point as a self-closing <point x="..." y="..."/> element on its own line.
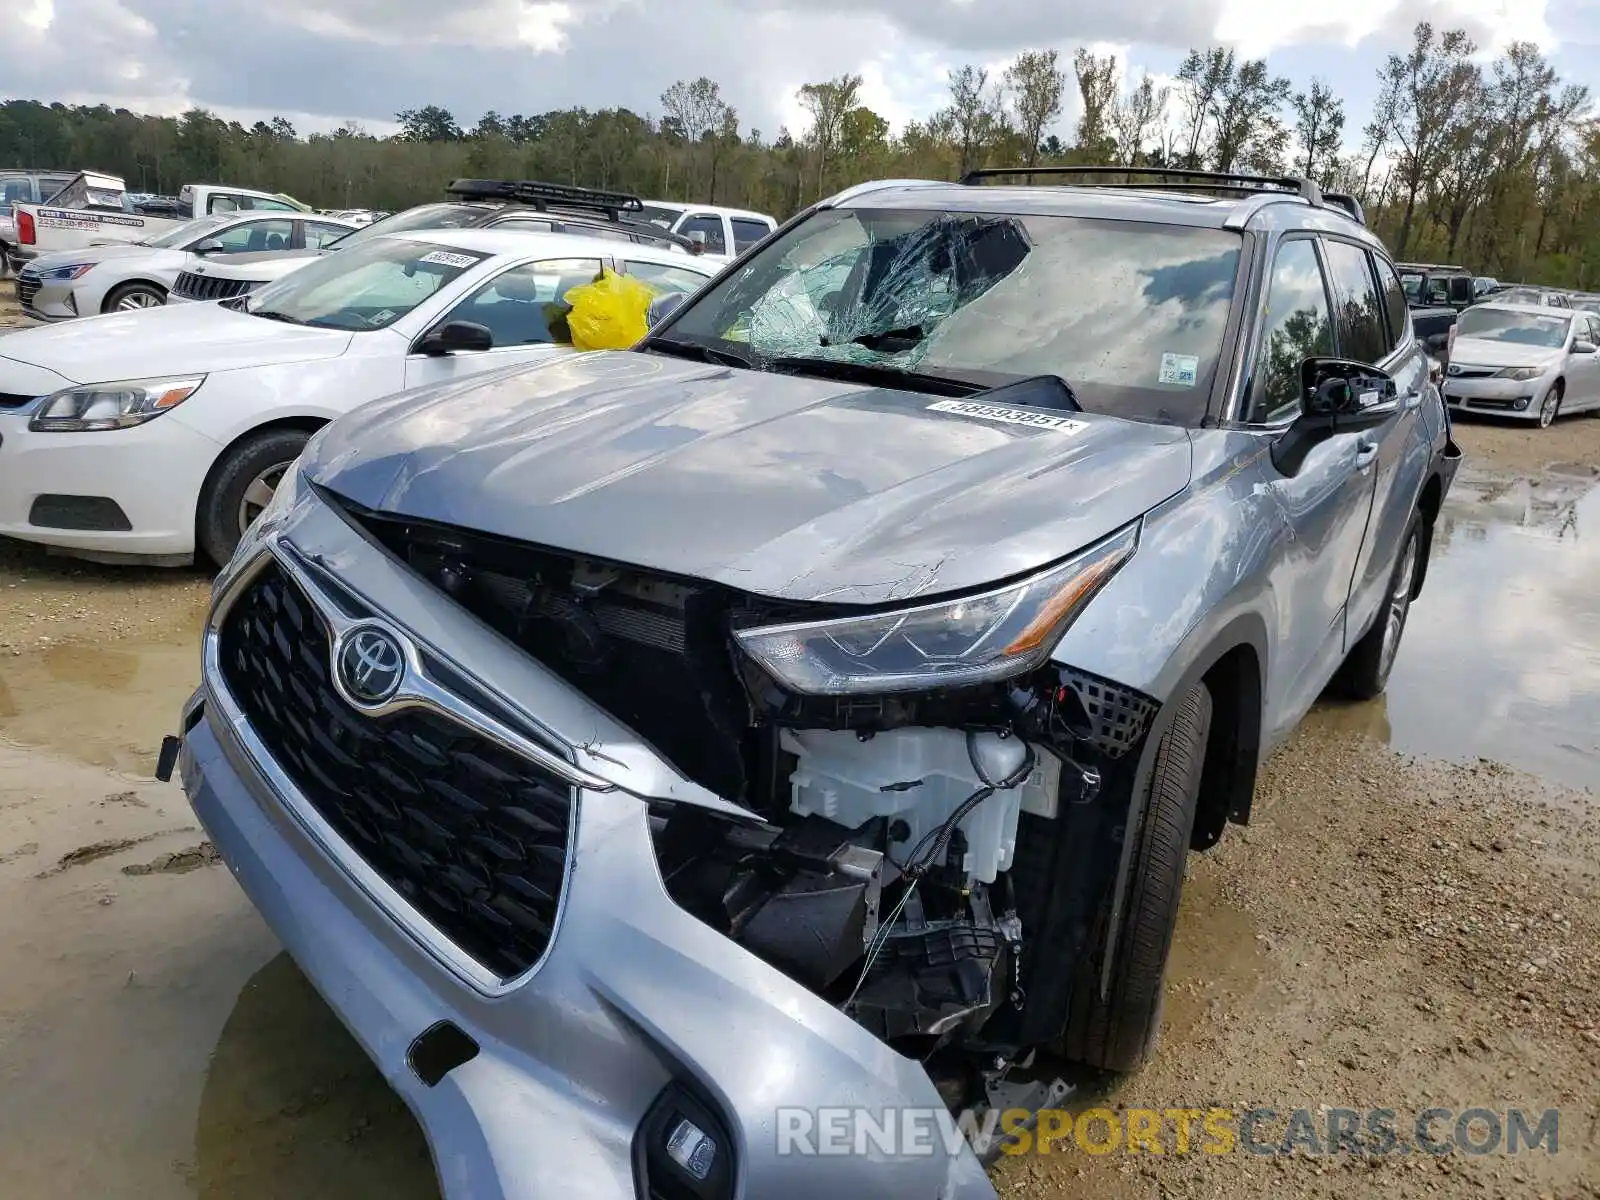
<point x="1495" y="165"/>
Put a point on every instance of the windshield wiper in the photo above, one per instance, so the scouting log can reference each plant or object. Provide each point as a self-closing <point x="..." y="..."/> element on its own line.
<point x="710" y="354"/>
<point x="875" y="374"/>
<point x="272" y="314"/>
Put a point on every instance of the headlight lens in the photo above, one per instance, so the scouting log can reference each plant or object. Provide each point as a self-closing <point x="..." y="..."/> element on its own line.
<point x="112" y="405"/>
<point x="64" y="274"/>
<point x="969" y="640"/>
<point x="1520" y="373"/>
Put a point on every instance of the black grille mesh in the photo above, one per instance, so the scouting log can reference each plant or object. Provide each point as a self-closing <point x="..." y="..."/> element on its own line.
<point x="28" y="285"/>
<point x="473" y="836"/>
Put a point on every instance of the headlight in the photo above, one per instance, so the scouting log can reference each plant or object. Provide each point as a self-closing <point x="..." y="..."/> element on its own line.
<point x="63" y="274"/>
<point x="111" y="405"/>
<point x="1520" y="373"/>
<point x="969" y="640"/>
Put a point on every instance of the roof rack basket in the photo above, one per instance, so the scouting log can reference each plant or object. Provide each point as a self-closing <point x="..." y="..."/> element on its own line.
<point x="543" y="196"/>
<point x="1177" y="179"/>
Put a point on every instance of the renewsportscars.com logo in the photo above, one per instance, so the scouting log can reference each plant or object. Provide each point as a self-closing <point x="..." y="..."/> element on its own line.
<point x="1325" y="1131"/>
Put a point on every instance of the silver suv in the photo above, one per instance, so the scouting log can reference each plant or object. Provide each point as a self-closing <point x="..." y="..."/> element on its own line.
<point x="678" y="762"/>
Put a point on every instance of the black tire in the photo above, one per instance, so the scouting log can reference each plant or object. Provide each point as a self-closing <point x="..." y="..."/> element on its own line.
<point x="224" y="509"/>
<point x="131" y="297"/>
<point x="1366" y="668"/>
<point x="1117" y="1031"/>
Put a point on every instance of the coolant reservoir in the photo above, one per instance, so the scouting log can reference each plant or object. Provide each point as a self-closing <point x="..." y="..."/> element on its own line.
<point x="921" y="776"/>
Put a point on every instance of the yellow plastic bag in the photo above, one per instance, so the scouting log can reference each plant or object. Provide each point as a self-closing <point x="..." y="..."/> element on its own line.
<point x="612" y="313"/>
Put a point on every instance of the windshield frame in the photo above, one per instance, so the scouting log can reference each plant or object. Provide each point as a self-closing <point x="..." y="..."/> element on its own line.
<point x="1207" y="405"/>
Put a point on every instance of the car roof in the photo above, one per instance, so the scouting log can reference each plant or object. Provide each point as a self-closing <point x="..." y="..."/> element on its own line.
<point x="1543" y="310"/>
<point x="1256" y="210"/>
<point x="558" y="245"/>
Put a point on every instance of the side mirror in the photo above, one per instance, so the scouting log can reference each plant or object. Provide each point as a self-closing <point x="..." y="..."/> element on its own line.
<point x="697" y="241"/>
<point x="1461" y="289"/>
<point x="1583" y="347"/>
<point x="209" y="246"/>
<point x="663" y="307"/>
<point x="455" y="337"/>
<point x="1336" y="396"/>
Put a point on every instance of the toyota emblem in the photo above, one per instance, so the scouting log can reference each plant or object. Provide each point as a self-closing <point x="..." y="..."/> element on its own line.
<point x="371" y="665"/>
<point x="1454" y="368"/>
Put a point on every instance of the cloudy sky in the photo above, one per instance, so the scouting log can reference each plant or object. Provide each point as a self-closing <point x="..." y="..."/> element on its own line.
<point x="323" y="62"/>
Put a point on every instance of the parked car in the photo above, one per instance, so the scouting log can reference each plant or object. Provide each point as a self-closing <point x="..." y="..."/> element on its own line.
<point x="724" y="232"/>
<point x="1540" y="297"/>
<point x="95" y="209"/>
<point x="484" y="204"/>
<point x="23" y="187"/>
<point x="898" y="614"/>
<point x="1484" y="285"/>
<point x="1531" y="362"/>
<point x="100" y="279"/>
<point x="140" y="435"/>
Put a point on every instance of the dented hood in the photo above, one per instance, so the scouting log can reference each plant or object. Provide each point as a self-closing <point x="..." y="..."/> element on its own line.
<point x="778" y="485"/>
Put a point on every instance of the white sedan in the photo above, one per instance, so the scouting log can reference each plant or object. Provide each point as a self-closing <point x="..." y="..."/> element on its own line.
<point x="126" y="276"/>
<point x="146" y="436"/>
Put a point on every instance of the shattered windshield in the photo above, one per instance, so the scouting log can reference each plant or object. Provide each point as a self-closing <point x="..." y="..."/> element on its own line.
<point x="1129" y="314"/>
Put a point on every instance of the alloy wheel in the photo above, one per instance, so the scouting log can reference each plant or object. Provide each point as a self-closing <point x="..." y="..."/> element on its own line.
<point x="259" y="494"/>
<point x="1547" y="410"/>
<point x="137" y="300"/>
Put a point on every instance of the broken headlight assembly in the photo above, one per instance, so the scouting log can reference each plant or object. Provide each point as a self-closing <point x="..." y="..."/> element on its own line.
<point x="971" y="639"/>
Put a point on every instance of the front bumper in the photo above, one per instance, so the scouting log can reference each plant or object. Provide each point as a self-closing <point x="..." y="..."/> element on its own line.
<point x="47" y="299"/>
<point x="632" y="994"/>
<point x="1502" y="397"/>
<point x="151" y="474"/>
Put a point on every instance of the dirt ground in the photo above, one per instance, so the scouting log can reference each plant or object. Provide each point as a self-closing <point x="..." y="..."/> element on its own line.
<point x="1404" y="925"/>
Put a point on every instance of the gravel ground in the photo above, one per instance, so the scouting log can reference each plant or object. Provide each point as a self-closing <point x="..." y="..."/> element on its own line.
<point x="1388" y="933"/>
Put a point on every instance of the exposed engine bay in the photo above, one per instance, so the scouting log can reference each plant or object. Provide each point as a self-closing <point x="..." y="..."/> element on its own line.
<point x="916" y="847"/>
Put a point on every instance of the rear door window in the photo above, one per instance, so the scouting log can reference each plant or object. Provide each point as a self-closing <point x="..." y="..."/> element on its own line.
<point x="666" y="279"/>
<point x="1298" y="326"/>
<point x="1394" y="302"/>
<point x="747" y="233"/>
<point x="1359" y="321"/>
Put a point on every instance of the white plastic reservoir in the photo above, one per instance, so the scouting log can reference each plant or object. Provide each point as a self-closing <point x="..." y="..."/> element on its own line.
<point x="850" y="781"/>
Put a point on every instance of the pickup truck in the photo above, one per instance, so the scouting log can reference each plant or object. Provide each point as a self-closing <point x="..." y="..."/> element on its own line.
<point x="96" y="210"/>
<point x="20" y="186"/>
<point x="1436" y="294"/>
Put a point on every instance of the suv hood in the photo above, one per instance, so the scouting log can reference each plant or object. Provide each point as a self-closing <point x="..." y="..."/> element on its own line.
<point x="179" y="339"/>
<point x="784" y="486"/>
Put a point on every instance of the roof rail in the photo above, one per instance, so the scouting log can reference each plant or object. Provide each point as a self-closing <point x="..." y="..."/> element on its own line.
<point x="1172" y="178"/>
<point x="1348" y="203"/>
<point x="1421" y="266"/>
<point x="543" y="195"/>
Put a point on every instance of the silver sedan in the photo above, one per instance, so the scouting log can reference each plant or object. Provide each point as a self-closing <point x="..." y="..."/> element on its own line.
<point x="1526" y="361"/>
<point x="123" y="277"/>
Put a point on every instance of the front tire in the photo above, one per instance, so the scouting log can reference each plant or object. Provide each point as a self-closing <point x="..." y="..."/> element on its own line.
<point x="131" y="297"/>
<point x="1117" y="1031"/>
<point x="1366" y="669"/>
<point x="1550" y="408"/>
<point x="241" y="485"/>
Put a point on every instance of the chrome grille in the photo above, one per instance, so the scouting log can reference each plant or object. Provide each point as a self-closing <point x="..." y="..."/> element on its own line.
<point x="28" y="284"/>
<point x="473" y="836"/>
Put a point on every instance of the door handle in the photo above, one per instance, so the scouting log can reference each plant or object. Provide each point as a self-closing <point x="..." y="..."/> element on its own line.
<point x="1411" y="399"/>
<point x="1366" y="453"/>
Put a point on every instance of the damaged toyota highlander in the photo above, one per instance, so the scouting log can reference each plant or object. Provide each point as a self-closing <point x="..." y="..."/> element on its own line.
<point x="812" y="707"/>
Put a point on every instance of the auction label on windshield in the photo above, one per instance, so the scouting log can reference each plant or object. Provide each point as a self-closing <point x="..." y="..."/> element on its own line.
<point x="444" y="258"/>
<point x="1179" y="369"/>
<point x="1007" y="416"/>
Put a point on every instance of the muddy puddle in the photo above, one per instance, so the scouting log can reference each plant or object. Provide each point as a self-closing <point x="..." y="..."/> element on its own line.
<point x="1501" y="658"/>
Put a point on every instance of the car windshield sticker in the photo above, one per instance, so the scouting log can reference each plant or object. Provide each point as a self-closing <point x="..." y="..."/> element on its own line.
<point x="1008" y="416"/>
<point x="1179" y="369"/>
<point x="382" y="318"/>
<point x="444" y="258"/>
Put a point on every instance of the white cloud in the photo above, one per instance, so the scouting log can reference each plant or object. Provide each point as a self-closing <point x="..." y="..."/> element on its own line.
<point x="367" y="59"/>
